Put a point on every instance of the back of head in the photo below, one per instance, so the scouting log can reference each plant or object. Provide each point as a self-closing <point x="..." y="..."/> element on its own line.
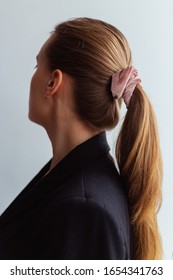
<point x="91" y="51"/>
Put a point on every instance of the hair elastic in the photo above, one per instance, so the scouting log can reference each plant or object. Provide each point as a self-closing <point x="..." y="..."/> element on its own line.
<point x="123" y="84"/>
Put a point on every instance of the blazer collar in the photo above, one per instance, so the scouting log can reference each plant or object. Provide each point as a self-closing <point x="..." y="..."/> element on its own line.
<point x="75" y="160"/>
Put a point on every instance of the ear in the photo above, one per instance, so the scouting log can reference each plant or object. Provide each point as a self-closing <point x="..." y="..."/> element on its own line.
<point x="54" y="83"/>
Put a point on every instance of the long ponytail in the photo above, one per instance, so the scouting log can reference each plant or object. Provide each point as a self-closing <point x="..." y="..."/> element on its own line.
<point x="139" y="160"/>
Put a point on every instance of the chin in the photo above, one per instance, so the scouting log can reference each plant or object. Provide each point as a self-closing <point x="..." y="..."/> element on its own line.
<point x="30" y="116"/>
<point x="33" y="118"/>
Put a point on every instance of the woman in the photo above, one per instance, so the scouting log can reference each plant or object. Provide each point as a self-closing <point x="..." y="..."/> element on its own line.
<point x="79" y="206"/>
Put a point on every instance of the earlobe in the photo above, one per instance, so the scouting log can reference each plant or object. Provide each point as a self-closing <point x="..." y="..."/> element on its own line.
<point x="54" y="83"/>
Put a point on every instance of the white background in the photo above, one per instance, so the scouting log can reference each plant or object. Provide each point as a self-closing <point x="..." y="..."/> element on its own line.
<point x="24" y="26"/>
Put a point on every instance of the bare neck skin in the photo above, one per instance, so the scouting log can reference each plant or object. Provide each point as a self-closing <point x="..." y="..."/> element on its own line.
<point x="65" y="136"/>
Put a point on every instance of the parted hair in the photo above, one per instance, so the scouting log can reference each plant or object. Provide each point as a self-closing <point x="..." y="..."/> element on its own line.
<point x="90" y="51"/>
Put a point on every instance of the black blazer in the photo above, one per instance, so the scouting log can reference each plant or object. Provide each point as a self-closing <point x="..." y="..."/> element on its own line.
<point x="78" y="211"/>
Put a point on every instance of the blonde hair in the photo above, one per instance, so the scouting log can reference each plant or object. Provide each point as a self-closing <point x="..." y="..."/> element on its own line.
<point x="140" y="165"/>
<point x="90" y="51"/>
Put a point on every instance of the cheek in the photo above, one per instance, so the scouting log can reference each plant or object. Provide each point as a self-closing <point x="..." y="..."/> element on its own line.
<point x="36" y="100"/>
<point x="33" y="102"/>
<point x="37" y="85"/>
<point x="31" y="94"/>
<point x="32" y="83"/>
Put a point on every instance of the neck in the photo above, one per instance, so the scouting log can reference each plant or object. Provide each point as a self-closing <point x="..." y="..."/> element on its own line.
<point x="65" y="138"/>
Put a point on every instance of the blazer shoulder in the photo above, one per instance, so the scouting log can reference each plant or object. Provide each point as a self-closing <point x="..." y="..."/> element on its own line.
<point x="102" y="182"/>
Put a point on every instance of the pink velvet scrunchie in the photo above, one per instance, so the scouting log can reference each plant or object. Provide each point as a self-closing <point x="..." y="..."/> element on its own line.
<point x="123" y="84"/>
